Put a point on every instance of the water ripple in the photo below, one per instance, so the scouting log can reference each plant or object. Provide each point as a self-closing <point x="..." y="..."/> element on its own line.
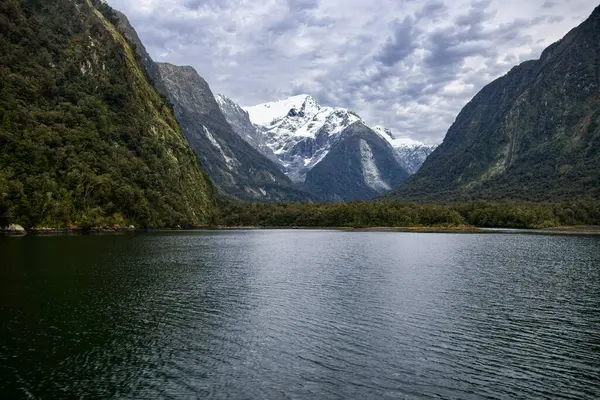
<point x="301" y="314"/>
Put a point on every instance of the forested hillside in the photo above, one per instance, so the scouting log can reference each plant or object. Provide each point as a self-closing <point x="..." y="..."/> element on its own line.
<point x="361" y="214"/>
<point x="85" y="140"/>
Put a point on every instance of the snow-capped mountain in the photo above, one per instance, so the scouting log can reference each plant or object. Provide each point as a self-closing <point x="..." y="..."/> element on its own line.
<point x="410" y="153"/>
<point x="332" y="150"/>
<point x="300" y="132"/>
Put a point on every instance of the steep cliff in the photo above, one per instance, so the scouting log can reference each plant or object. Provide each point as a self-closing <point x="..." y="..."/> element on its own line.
<point x="239" y="120"/>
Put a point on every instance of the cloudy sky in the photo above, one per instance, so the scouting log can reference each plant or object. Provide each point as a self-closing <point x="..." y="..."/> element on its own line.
<point x="409" y="65"/>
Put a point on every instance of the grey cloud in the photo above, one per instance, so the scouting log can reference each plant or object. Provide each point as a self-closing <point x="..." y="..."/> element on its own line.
<point x="401" y="44"/>
<point x="447" y="48"/>
<point x="476" y="15"/>
<point x="298" y="13"/>
<point x="447" y="51"/>
<point x="555" y="18"/>
<point x="432" y="10"/>
<point x="298" y="5"/>
<point x="197" y="4"/>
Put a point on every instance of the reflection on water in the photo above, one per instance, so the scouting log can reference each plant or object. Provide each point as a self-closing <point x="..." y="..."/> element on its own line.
<point x="300" y="314"/>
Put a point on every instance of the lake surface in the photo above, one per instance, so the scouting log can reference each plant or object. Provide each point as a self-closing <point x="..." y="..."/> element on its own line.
<point x="300" y="314"/>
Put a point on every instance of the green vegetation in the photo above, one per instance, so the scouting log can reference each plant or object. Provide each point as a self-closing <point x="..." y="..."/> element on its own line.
<point x="395" y="214"/>
<point x="85" y="140"/>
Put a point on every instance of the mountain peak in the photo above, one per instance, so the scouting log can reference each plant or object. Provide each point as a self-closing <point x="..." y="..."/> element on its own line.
<point x="223" y="100"/>
<point x="264" y="114"/>
<point x="301" y="99"/>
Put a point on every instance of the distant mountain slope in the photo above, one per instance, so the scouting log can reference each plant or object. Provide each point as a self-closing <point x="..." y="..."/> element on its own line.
<point x="532" y="134"/>
<point x="236" y="168"/>
<point x="411" y="154"/>
<point x="360" y="165"/>
<point x="85" y="139"/>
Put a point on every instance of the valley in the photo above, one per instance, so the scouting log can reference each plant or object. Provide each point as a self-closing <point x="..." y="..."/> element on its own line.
<point x="314" y="232"/>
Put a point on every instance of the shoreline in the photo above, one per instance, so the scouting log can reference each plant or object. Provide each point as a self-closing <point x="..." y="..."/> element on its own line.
<point x="45" y="231"/>
<point x="561" y="230"/>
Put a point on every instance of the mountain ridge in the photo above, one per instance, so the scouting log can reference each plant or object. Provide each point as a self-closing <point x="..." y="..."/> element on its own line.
<point x="239" y="120"/>
<point x="315" y="143"/>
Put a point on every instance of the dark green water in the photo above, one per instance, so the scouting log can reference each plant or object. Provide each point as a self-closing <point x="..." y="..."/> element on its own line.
<point x="300" y="314"/>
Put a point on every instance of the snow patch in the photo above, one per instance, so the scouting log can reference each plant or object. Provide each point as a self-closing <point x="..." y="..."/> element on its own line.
<point x="265" y="114"/>
<point x="228" y="160"/>
<point x="212" y="139"/>
<point x="371" y="173"/>
<point x="396" y="141"/>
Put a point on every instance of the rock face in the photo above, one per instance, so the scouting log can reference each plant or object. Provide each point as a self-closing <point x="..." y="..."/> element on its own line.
<point x="239" y="120"/>
<point x="320" y="146"/>
<point x="532" y="134"/>
<point x="235" y="166"/>
<point x="86" y="139"/>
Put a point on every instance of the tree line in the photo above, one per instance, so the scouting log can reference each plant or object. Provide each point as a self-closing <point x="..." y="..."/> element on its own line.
<point x="400" y="214"/>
